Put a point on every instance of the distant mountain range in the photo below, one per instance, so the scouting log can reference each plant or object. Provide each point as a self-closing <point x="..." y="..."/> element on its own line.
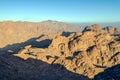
<point x="14" y="32"/>
<point x="52" y="50"/>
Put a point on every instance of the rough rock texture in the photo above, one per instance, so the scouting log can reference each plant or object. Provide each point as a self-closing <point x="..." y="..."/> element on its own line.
<point x="94" y="27"/>
<point x="112" y="30"/>
<point x="17" y="32"/>
<point x="14" y="68"/>
<point x="86" y="53"/>
<point x="66" y="56"/>
<point x="98" y="28"/>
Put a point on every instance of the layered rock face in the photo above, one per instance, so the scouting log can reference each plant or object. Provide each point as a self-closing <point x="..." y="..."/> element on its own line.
<point x="88" y="53"/>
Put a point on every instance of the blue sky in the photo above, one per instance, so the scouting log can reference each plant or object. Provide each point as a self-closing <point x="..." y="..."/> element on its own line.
<point x="60" y="10"/>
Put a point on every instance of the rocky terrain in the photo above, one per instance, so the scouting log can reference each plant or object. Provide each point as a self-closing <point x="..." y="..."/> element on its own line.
<point x="93" y="53"/>
<point x="19" y="32"/>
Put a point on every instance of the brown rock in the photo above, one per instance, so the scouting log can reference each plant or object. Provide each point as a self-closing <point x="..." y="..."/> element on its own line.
<point x="86" y="53"/>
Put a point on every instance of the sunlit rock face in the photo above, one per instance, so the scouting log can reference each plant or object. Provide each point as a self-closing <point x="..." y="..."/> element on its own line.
<point x="17" y="32"/>
<point x="64" y="54"/>
<point x="87" y="53"/>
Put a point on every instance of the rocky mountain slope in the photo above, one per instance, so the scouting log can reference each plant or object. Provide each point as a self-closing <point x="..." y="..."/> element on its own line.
<point x="12" y="33"/>
<point x="67" y="56"/>
<point x="17" y="32"/>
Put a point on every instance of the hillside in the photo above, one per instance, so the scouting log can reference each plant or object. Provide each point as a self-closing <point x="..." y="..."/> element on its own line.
<point x="16" y="32"/>
<point x="66" y="56"/>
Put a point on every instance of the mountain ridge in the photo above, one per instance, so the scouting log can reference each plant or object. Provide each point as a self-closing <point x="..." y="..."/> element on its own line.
<point x="82" y="54"/>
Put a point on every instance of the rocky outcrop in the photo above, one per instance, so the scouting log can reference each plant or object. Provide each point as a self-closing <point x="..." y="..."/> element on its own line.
<point x="98" y="28"/>
<point x="64" y="56"/>
<point x="94" y="28"/>
<point x="112" y="30"/>
<point x="17" y="32"/>
<point x="86" y="53"/>
<point x="14" y="68"/>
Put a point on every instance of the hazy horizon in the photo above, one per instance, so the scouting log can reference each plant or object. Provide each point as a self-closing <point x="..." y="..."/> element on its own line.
<point x="82" y="24"/>
<point x="72" y="11"/>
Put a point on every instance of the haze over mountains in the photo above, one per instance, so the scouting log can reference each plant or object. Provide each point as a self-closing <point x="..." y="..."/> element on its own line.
<point x="58" y="51"/>
<point x="103" y="24"/>
<point x="21" y="31"/>
<point x="11" y="31"/>
<point x="17" y="32"/>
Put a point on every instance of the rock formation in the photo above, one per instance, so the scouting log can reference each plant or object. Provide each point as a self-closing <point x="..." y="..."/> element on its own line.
<point x="14" y="68"/>
<point x="98" y="28"/>
<point x="78" y="54"/>
<point x="17" y="32"/>
<point x="86" y="53"/>
<point x="94" y="27"/>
